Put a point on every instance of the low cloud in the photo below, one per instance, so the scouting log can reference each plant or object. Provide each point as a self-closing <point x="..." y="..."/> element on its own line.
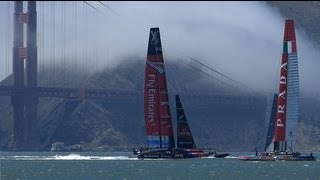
<point x="242" y="40"/>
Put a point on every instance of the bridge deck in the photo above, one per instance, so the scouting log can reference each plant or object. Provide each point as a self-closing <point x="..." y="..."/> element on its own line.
<point x="117" y="94"/>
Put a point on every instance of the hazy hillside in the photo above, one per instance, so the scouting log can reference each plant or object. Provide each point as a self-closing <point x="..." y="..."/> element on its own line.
<point x="116" y="125"/>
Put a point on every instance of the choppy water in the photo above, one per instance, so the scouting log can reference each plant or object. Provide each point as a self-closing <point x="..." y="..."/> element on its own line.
<point x="123" y="165"/>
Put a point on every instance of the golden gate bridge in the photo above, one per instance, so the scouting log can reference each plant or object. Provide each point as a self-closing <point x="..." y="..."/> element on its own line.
<point x="25" y="90"/>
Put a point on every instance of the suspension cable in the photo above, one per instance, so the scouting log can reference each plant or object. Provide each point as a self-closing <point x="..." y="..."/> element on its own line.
<point x="83" y="47"/>
<point x="63" y="40"/>
<point x="98" y="29"/>
<point x="53" y="47"/>
<point x="51" y="61"/>
<point x="76" y="36"/>
<point x="221" y="74"/>
<point x="42" y="59"/>
<point x="224" y="83"/>
<point x="86" y="42"/>
<point x="40" y="42"/>
<point x="7" y="39"/>
<point x="96" y="9"/>
<point x="109" y="8"/>
<point x="208" y="75"/>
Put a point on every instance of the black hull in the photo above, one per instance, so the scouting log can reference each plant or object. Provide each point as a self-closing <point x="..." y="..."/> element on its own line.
<point x="172" y="154"/>
<point x="223" y="155"/>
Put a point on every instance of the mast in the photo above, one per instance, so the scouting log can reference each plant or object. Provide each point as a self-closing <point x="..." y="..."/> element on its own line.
<point x="156" y="100"/>
<point x="287" y="92"/>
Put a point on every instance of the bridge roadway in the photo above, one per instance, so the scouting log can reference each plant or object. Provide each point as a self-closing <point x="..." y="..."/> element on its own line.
<point x="125" y="95"/>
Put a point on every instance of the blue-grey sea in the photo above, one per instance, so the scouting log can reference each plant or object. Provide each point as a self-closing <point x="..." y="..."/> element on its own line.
<point x="124" y="165"/>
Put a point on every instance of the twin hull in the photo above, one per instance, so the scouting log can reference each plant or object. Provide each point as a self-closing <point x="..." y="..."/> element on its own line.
<point x="176" y="153"/>
<point x="278" y="157"/>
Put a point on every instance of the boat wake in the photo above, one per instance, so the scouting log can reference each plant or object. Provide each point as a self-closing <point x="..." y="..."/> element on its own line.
<point x="68" y="157"/>
<point x="227" y="157"/>
<point x="232" y="157"/>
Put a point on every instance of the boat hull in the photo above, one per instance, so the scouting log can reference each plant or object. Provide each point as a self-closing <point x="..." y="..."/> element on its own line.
<point x="279" y="157"/>
<point x="172" y="154"/>
<point x="222" y="155"/>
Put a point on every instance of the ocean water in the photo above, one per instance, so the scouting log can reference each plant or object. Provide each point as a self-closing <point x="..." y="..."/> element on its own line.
<point x="125" y="166"/>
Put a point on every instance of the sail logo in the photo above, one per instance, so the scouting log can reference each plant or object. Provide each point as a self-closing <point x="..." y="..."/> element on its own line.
<point x="151" y="93"/>
<point x="180" y="117"/>
<point x="284" y="66"/>
<point x="157" y="67"/>
<point x="289" y="46"/>
<point x="282" y="95"/>
<point x="184" y="133"/>
<point x="154" y="37"/>
<point x="282" y="107"/>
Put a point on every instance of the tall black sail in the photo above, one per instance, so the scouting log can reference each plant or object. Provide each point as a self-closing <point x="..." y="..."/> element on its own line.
<point x="270" y="135"/>
<point x="184" y="136"/>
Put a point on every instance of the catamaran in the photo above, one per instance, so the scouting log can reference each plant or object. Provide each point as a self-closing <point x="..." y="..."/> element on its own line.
<point x="159" y="129"/>
<point x="284" y="115"/>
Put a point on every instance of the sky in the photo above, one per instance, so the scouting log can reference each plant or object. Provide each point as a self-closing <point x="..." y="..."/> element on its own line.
<point x="242" y="40"/>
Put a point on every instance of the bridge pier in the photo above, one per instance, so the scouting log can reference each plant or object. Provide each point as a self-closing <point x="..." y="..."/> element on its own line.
<point x="25" y="129"/>
<point x="18" y="78"/>
<point x="31" y="79"/>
